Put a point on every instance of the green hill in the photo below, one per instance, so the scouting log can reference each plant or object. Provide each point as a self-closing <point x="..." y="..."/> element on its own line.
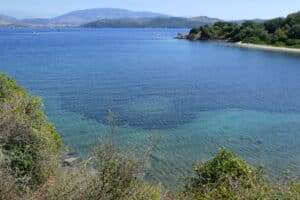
<point x="158" y="22"/>
<point x="283" y="32"/>
<point x="89" y="15"/>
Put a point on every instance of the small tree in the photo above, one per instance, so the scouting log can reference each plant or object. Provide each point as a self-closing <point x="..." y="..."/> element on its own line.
<point x="223" y="177"/>
<point x="274" y="24"/>
<point x="279" y="36"/>
<point x="295" y="31"/>
<point x="29" y="142"/>
<point x="206" y="33"/>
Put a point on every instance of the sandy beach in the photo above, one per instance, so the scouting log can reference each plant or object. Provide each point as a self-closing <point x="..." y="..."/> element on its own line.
<point x="268" y="48"/>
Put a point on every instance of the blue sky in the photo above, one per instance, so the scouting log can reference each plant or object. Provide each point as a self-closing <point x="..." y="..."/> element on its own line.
<point x="225" y="9"/>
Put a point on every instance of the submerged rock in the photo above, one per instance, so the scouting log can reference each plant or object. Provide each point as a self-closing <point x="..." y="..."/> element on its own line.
<point x="70" y="161"/>
<point x="181" y="36"/>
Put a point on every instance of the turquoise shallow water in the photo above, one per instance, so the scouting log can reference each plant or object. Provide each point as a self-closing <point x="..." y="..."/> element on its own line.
<point x="197" y="96"/>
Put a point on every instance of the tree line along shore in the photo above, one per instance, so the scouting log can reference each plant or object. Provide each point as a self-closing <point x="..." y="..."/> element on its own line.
<point x="280" y="33"/>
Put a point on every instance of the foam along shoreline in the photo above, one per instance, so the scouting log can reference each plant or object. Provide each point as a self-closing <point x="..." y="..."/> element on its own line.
<point x="268" y="47"/>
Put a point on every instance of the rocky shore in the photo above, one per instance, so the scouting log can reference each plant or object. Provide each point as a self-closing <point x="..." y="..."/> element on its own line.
<point x="194" y="37"/>
<point x="268" y="47"/>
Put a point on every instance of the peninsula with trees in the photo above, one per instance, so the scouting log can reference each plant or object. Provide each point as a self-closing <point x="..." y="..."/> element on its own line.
<point x="279" y="32"/>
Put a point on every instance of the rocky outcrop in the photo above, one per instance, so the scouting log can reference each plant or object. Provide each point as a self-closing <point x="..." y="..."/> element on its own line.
<point x="181" y="36"/>
<point x="189" y="36"/>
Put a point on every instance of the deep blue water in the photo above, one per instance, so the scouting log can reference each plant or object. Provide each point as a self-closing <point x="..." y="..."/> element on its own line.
<point x="198" y="95"/>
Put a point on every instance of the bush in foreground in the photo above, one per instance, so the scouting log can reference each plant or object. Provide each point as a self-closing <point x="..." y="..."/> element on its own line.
<point x="227" y="177"/>
<point x="111" y="178"/>
<point x="28" y="142"/>
<point x="108" y="175"/>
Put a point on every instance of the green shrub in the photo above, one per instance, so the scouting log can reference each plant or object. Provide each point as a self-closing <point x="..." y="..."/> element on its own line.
<point x="279" y="44"/>
<point x="194" y="30"/>
<point x="292" y="42"/>
<point x="223" y="177"/>
<point x="8" y="187"/>
<point x="253" y="40"/>
<point x="227" y="177"/>
<point x="107" y="175"/>
<point x="293" y="19"/>
<point x="29" y="142"/>
<point x="273" y="24"/>
<point x="118" y="175"/>
<point x="83" y="185"/>
<point x="295" y="31"/>
<point x="280" y="36"/>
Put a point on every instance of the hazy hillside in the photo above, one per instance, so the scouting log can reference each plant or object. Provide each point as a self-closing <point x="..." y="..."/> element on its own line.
<point x="205" y="19"/>
<point x="85" y="16"/>
<point x="110" y="17"/>
<point x="6" y="20"/>
<point x="36" y="21"/>
<point x="158" y="22"/>
<point x="244" y="20"/>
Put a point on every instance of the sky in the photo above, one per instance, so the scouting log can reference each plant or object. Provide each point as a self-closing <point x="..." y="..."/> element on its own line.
<point x="224" y="9"/>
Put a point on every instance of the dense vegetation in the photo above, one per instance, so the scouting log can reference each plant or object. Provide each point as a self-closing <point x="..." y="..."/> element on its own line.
<point x="276" y="32"/>
<point x="29" y="160"/>
<point x="228" y="177"/>
<point x="29" y="144"/>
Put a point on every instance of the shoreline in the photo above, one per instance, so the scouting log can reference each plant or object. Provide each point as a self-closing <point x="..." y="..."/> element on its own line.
<point x="267" y="47"/>
<point x="246" y="45"/>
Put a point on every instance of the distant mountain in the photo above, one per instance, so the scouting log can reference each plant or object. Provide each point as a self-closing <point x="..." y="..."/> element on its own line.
<point x="86" y="16"/>
<point x="6" y="20"/>
<point x="36" y="21"/>
<point x="205" y="19"/>
<point x="254" y="20"/>
<point x="158" y="22"/>
<point x="110" y="17"/>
